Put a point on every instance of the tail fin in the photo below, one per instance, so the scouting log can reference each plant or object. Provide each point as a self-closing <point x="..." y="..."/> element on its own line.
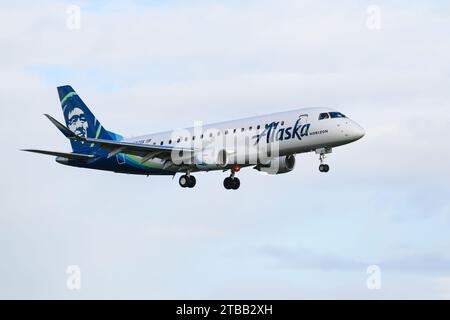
<point x="81" y="121"/>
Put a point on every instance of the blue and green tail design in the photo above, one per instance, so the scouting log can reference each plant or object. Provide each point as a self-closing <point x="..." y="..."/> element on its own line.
<point x="80" y="120"/>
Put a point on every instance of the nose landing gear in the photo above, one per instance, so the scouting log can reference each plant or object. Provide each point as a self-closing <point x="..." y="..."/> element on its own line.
<point x="323" y="167"/>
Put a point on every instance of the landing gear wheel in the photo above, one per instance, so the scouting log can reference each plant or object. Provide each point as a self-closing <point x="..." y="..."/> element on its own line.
<point x="184" y="181"/>
<point x="231" y="183"/>
<point x="228" y="183"/>
<point x="323" y="151"/>
<point x="236" y="184"/>
<point x="192" y="182"/>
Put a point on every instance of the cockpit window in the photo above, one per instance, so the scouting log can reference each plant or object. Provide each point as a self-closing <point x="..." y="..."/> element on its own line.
<point x="337" y="115"/>
<point x="323" y="116"/>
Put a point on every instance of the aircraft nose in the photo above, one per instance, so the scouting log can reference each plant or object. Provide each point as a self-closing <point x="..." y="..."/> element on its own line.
<point x="357" y="131"/>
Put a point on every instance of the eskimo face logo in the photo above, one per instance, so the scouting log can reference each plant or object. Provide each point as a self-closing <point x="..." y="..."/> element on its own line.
<point x="77" y="122"/>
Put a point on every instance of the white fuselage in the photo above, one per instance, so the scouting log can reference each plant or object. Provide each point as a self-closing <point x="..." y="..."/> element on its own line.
<point x="291" y="132"/>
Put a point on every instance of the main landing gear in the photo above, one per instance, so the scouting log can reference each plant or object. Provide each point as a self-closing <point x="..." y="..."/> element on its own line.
<point x="187" y="181"/>
<point x="232" y="182"/>
<point x="323" y="167"/>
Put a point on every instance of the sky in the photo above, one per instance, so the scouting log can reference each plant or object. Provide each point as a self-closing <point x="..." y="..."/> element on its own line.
<point x="149" y="66"/>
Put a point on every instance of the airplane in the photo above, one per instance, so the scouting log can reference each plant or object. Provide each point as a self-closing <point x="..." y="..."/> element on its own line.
<point x="268" y="143"/>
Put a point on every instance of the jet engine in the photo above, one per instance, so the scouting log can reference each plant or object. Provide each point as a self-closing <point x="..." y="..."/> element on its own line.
<point x="278" y="165"/>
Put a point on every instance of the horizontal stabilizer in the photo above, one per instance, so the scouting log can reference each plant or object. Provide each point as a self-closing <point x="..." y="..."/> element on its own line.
<point x="65" y="131"/>
<point x="75" y="156"/>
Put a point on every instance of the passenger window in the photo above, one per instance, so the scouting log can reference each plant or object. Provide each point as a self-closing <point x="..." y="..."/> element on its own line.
<point x="282" y="123"/>
<point x="323" y="116"/>
<point x="170" y="141"/>
<point x="185" y="139"/>
<point x="193" y="137"/>
<point x="226" y="131"/>
<point x="258" y="126"/>
<point x="201" y="137"/>
<point x="250" y="128"/>
<point x="162" y="142"/>
<point x="234" y="131"/>
<point x="178" y="140"/>
<point x="242" y="129"/>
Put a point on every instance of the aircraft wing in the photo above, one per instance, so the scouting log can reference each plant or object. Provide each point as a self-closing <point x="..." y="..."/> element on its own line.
<point x="137" y="149"/>
<point x="74" y="156"/>
<point x="145" y="151"/>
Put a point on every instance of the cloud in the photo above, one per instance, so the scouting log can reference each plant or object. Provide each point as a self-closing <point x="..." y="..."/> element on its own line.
<point x="305" y="259"/>
<point x="430" y="264"/>
<point x="444" y="284"/>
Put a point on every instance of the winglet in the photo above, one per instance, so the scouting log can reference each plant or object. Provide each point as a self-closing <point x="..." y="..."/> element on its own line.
<point x="65" y="131"/>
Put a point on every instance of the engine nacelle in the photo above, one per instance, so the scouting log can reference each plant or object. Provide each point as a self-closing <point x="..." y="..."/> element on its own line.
<point x="278" y="165"/>
<point x="211" y="159"/>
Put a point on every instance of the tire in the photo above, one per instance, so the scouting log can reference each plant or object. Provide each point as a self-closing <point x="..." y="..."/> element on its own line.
<point x="321" y="168"/>
<point x="326" y="168"/>
<point x="236" y="184"/>
<point x="227" y="183"/>
<point x="183" y="181"/>
<point x="192" y="182"/>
